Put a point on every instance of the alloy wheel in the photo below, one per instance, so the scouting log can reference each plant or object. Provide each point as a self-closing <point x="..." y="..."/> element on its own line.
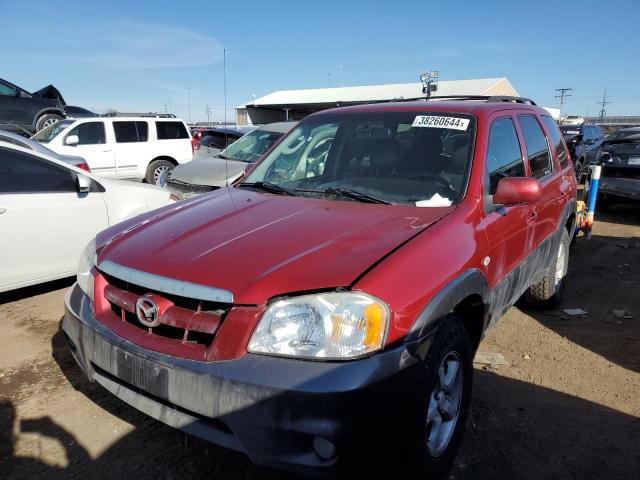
<point x="444" y="404"/>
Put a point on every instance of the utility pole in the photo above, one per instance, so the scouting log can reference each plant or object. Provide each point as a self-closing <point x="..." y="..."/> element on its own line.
<point x="563" y="93"/>
<point x="208" y="114"/>
<point x="165" y="108"/>
<point x="603" y="103"/>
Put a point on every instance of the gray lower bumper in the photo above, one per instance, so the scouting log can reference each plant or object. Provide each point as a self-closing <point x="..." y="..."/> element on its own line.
<point x="269" y="408"/>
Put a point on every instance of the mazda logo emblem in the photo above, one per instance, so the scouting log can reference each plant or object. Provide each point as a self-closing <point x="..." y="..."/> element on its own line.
<point x="147" y="312"/>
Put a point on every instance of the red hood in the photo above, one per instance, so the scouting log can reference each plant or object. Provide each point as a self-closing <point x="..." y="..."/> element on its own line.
<point x="259" y="246"/>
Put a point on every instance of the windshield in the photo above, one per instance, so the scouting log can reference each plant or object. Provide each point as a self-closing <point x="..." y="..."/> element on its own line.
<point x="47" y="134"/>
<point x="392" y="157"/>
<point x="251" y="146"/>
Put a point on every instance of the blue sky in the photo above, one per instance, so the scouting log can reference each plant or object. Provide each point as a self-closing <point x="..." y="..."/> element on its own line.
<point x="137" y="56"/>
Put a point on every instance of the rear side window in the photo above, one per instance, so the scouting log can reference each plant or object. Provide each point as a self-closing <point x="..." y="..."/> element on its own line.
<point x="556" y="138"/>
<point x="504" y="158"/>
<point x="171" y="130"/>
<point x="7" y="90"/>
<point x="129" y="132"/>
<point x="24" y="173"/>
<point x="536" y="144"/>
<point x="89" y="133"/>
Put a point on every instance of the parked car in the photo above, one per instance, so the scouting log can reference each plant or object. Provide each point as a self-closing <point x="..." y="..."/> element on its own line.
<point x="123" y="147"/>
<point x="620" y="180"/>
<point x="9" y="138"/>
<point x="573" y="120"/>
<point x="584" y="143"/>
<point x="22" y="111"/>
<point x="318" y="311"/>
<point x="207" y="174"/>
<point x="214" y="140"/>
<point x="49" y="210"/>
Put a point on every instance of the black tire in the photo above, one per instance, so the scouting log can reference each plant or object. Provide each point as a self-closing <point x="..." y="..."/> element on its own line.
<point x="450" y="338"/>
<point x="46" y="120"/>
<point x="155" y="169"/>
<point x="578" y="169"/>
<point x="548" y="292"/>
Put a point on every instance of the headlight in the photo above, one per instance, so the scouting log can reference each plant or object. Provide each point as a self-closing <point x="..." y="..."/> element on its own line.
<point x="336" y="325"/>
<point x="87" y="262"/>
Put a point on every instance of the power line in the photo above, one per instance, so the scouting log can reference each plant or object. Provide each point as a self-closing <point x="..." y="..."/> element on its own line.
<point x="563" y="94"/>
<point x="603" y="103"/>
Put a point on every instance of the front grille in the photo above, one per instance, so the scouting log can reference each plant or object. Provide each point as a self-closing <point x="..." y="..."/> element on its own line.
<point x="185" y="324"/>
<point x="182" y="189"/>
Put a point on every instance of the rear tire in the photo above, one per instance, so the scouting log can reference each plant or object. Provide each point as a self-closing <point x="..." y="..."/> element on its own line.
<point x="157" y="168"/>
<point x="46" y="120"/>
<point x="548" y="292"/>
<point x="444" y="392"/>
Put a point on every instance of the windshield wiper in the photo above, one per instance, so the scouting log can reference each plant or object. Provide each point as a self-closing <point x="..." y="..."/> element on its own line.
<point x="360" y="196"/>
<point x="268" y="187"/>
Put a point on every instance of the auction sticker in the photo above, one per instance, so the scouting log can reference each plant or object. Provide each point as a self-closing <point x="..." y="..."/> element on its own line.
<point x="431" y="121"/>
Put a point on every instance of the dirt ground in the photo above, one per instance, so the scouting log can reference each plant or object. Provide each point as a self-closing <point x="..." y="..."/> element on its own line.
<point x="567" y="404"/>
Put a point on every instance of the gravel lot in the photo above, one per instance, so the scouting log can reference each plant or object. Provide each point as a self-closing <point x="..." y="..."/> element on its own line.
<point x="567" y="405"/>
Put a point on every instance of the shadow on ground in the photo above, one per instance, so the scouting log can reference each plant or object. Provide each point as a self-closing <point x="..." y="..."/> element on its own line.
<point x="515" y="430"/>
<point x="603" y="277"/>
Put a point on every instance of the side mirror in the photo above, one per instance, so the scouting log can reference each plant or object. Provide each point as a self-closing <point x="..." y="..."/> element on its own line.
<point x="517" y="190"/>
<point x="591" y="141"/>
<point x="72" y="140"/>
<point x="83" y="183"/>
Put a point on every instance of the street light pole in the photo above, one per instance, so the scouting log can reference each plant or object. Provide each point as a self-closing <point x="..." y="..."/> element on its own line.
<point x="189" y="95"/>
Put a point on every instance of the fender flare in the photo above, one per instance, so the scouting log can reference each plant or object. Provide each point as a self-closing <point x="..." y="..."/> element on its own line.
<point x="470" y="282"/>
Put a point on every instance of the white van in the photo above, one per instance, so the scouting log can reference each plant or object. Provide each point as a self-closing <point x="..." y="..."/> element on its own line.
<point x="122" y="147"/>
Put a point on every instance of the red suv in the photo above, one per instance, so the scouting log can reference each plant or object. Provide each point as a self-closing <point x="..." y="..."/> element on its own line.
<point x="325" y="310"/>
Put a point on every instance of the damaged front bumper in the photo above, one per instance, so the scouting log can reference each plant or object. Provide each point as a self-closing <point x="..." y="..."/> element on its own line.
<point x="284" y="413"/>
<point x="620" y="187"/>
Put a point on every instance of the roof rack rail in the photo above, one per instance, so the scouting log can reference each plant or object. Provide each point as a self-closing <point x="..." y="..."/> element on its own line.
<point x="149" y="114"/>
<point x="507" y="98"/>
<point x="487" y="98"/>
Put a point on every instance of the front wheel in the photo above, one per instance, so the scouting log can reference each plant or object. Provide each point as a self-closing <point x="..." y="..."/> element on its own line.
<point x="156" y="169"/>
<point x="548" y="292"/>
<point x="445" y="390"/>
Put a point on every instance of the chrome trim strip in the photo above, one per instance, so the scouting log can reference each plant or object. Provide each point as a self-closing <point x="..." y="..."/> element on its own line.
<point x="165" y="284"/>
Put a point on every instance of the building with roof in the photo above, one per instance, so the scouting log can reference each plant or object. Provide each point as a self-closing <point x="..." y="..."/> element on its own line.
<point x="297" y="104"/>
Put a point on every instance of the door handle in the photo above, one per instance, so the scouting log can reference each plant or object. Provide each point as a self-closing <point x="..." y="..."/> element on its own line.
<point x="2" y="210"/>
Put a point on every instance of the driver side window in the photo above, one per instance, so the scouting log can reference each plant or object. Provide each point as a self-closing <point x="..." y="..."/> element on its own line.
<point x="504" y="157"/>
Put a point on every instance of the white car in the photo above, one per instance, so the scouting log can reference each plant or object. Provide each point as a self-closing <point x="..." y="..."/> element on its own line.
<point x="139" y="148"/>
<point x="50" y="210"/>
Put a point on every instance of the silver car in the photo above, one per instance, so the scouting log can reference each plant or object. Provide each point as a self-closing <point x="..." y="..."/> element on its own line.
<point x="210" y="173"/>
<point x="20" y="141"/>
